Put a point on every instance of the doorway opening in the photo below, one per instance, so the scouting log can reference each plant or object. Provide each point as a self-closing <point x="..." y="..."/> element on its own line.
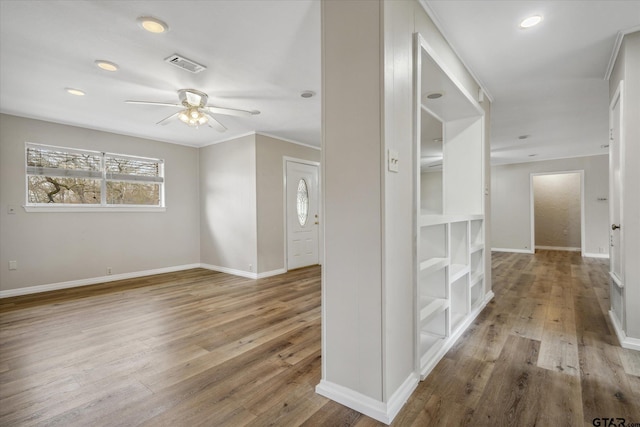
<point x="557" y="211"/>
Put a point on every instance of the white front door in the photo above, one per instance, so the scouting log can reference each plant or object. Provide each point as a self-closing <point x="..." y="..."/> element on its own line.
<point x="302" y="214"/>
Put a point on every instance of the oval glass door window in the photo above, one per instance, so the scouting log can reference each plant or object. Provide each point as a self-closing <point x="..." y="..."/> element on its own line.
<point x="302" y="204"/>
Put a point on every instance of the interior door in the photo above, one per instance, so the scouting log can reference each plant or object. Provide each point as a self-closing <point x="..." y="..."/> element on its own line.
<point x="302" y="214"/>
<point x="615" y="180"/>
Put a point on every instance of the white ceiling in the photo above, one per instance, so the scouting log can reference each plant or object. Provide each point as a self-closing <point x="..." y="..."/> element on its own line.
<point x="260" y="55"/>
<point x="546" y="82"/>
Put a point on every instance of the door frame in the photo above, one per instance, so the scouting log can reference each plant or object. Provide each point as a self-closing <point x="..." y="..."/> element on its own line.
<point x="285" y="160"/>
<point x="617" y="99"/>
<point x="532" y="207"/>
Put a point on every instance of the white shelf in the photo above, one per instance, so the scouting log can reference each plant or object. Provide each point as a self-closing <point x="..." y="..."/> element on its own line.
<point x="475" y="279"/>
<point x="429" y="344"/>
<point x="433" y="264"/>
<point x="430" y="306"/>
<point x="427" y="219"/>
<point x="456" y="320"/>
<point x="476" y="247"/>
<point x="456" y="271"/>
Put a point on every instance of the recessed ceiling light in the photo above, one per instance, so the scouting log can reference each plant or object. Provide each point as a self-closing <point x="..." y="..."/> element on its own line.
<point x="437" y="139"/>
<point x="435" y="95"/>
<point x="307" y="94"/>
<point x="531" y="21"/>
<point x="106" y="65"/>
<point x="532" y="155"/>
<point x="523" y="137"/>
<point x="76" y="92"/>
<point x="153" y="25"/>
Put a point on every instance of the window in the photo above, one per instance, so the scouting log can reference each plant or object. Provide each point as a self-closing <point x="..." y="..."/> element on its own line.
<point x="302" y="202"/>
<point x="59" y="176"/>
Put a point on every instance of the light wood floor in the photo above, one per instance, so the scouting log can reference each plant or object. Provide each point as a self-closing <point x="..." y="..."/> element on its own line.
<point x="204" y="348"/>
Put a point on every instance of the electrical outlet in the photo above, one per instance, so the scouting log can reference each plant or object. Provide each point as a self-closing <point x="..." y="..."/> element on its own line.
<point x="250" y="267"/>
<point x="109" y="271"/>
<point x="13" y="265"/>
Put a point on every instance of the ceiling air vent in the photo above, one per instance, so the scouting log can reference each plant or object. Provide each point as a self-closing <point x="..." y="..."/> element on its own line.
<point x="185" y="64"/>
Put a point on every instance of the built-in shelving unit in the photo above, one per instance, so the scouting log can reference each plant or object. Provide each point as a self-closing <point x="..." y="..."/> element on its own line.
<point x="450" y="255"/>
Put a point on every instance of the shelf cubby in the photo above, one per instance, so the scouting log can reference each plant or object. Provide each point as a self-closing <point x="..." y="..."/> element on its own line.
<point x="459" y="301"/>
<point x="477" y="290"/>
<point x="433" y="242"/>
<point x="449" y="203"/>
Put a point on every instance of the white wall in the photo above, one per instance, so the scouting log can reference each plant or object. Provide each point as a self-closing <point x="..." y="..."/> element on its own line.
<point x="627" y="68"/>
<point x="351" y="159"/>
<point x="270" y="197"/>
<point x="368" y="296"/>
<point x="228" y="213"/>
<point x="557" y="210"/>
<point x="511" y="211"/>
<point x="60" y="247"/>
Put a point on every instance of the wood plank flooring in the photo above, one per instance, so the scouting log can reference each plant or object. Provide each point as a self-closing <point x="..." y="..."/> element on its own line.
<point x="204" y="348"/>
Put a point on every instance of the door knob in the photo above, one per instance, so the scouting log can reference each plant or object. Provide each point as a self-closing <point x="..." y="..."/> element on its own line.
<point x="614" y="227"/>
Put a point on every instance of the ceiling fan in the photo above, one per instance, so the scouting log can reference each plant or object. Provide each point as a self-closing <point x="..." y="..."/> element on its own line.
<point x="195" y="111"/>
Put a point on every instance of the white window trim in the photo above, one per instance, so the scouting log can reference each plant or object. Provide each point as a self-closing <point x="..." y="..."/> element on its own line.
<point x="104" y="177"/>
<point x="86" y="208"/>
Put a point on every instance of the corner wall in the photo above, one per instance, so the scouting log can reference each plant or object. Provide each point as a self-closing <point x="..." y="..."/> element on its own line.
<point x="242" y="204"/>
<point x="53" y="248"/>
<point x="228" y="212"/>
<point x="270" y="197"/>
<point x="511" y="210"/>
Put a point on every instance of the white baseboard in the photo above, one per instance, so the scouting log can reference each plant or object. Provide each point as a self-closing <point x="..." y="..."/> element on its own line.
<point x="380" y="411"/>
<point x="401" y="395"/>
<point x="625" y="341"/>
<point x="594" y="255"/>
<point x="111" y="278"/>
<point x="241" y="273"/>
<point x="517" y="251"/>
<point x="558" y="248"/>
<point x="92" y="281"/>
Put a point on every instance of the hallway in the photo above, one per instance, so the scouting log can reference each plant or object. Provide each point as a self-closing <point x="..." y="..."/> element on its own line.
<point x="542" y="353"/>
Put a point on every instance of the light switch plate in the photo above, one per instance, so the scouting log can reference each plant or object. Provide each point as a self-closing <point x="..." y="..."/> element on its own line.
<point x="393" y="160"/>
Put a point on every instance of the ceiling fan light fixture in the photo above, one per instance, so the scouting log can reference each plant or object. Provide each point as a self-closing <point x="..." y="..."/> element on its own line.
<point x="193" y="117"/>
<point x="530" y="21"/>
<point x="153" y="25"/>
<point x="106" y="65"/>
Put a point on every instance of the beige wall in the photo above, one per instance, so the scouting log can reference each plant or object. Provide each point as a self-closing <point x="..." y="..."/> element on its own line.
<point x="242" y="202"/>
<point x="270" y="197"/>
<point x="66" y="246"/>
<point x="557" y="210"/>
<point x="228" y="212"/>
<point x="511" y="210"/>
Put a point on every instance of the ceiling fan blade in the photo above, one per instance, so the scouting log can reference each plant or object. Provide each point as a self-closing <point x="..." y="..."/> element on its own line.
<point x="213" y="123"/>
<point x="165" y="121"/>
<point x="231" y="111"/>
<point x="165" y="104"/>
